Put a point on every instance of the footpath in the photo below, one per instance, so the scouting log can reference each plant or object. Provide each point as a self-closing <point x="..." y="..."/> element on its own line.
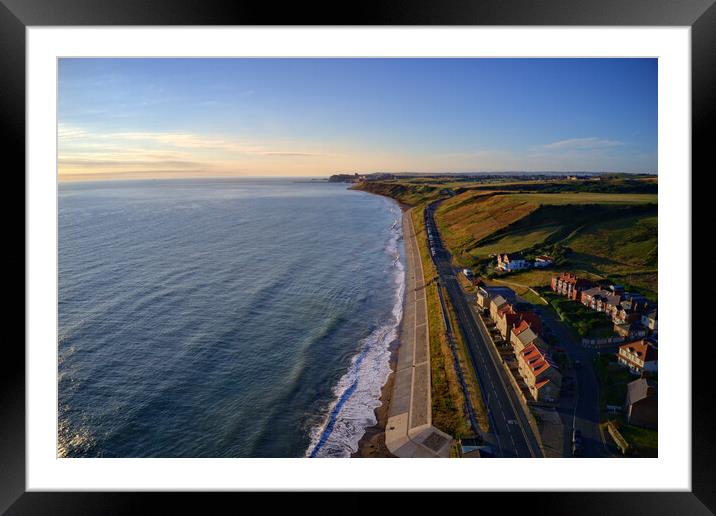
<point x="409" y="431"/>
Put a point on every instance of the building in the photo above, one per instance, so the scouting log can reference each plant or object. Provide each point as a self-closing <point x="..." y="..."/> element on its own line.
<point x="630" y="330"/>
<point x="626" y="313"/>
<point x="543" y="261"/>
<point x="532" y="319"/>
<point x="639" y="356"/>
<point x="648" y="320"/>
<point x="570" y="286"/>
<point x="485" y="294"/>
<point x="624" y="308"/>
<point x="602" y="300"/>
<point x="641" y="404"/>
<point x="540" y="373"/>
<point x="523" y="335"/>
<point x="507" y="317"/>
<point x="512" y="262"/>
<point x="482" y="297"/>
<point x="496" y="303"/>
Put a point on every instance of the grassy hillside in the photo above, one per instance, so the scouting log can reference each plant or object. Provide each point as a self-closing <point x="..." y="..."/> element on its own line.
<point x="609" y="236"/>
<point x="408" y="193"/>
<point x="468" y="218"/>
<point x="618" y="185"/>
<point x="623" y="250"/>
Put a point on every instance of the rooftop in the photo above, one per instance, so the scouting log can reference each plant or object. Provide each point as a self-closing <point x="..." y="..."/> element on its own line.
<point x="640" y="389"/>
<point x="641" y="348"/>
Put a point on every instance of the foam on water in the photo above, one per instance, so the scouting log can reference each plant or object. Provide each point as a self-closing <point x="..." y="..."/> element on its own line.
<point x="358" y="391"/>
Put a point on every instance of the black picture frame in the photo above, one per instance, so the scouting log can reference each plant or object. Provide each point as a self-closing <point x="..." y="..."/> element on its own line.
<point x="700" y="15"/>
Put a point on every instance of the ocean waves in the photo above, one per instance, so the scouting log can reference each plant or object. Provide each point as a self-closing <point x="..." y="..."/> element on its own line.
<point x="258" y="323"/>
<point x="358" y="391"/>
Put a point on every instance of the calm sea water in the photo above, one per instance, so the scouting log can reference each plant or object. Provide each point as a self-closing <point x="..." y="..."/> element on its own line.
<point x="223" y="318"/>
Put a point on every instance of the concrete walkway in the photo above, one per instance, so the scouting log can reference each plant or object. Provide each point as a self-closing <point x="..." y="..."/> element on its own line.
<point x="409" y="431"/>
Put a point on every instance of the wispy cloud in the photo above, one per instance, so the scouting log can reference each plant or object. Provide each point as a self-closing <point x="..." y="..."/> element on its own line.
<point x="578" y="144"/>
<point x="292" y="154"/>
<point x="176" y="141"/>
<point x="76" y="163"/>
<point x="82" y="151"/>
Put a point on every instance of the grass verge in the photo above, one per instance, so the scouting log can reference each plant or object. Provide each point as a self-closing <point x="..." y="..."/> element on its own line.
<point x="447" y="399"/>
<point x="473" y="385"/>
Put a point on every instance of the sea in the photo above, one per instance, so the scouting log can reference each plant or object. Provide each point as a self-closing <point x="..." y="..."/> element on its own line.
<point x="223" y="317"/>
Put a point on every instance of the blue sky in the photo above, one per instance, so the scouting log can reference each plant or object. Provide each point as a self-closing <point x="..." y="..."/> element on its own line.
<point x="254" y="117"/>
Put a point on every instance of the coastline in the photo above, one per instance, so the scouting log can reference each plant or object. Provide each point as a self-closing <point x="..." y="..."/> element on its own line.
<point x="372" y="444"/>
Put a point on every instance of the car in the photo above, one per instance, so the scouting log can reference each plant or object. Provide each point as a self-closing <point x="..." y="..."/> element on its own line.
<point x="577" y="364"/>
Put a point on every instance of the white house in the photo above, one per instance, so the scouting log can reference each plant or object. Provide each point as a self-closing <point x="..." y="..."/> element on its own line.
<point x="512" y="262"/>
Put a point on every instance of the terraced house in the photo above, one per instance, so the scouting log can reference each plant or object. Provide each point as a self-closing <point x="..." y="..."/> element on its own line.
<point x="603" y="300"/>
<point x="523" y="335"/>
<point x="570" y="286"/>
<point x="507" y="317"/>
<point x="540" y="373"/>
<point x="485" y="294"/>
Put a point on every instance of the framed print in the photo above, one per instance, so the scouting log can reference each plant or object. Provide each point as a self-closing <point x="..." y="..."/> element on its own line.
<point x="298" y="252"/>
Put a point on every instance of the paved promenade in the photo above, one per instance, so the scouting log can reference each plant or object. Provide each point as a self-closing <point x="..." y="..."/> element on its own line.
<point x="409" y="431"/>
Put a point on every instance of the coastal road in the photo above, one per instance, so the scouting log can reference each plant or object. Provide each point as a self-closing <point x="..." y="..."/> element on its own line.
<point x="514" y="436"/>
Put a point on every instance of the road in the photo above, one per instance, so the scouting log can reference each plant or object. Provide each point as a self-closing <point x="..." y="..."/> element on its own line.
<point x="508" y="423"/>
<point x="585" y="416"/>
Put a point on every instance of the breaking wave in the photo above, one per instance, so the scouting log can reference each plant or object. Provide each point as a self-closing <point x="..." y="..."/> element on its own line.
<point x="358" y="392"/>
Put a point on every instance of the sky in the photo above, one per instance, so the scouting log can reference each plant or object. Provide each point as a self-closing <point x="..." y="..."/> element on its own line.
<point x="156" y="118"/>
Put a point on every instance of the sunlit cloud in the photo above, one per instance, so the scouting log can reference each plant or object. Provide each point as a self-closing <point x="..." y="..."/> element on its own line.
<point x="82" y="151"/>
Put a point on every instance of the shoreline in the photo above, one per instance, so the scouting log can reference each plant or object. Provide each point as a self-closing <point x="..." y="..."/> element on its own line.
<point x="372" y="444"/>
